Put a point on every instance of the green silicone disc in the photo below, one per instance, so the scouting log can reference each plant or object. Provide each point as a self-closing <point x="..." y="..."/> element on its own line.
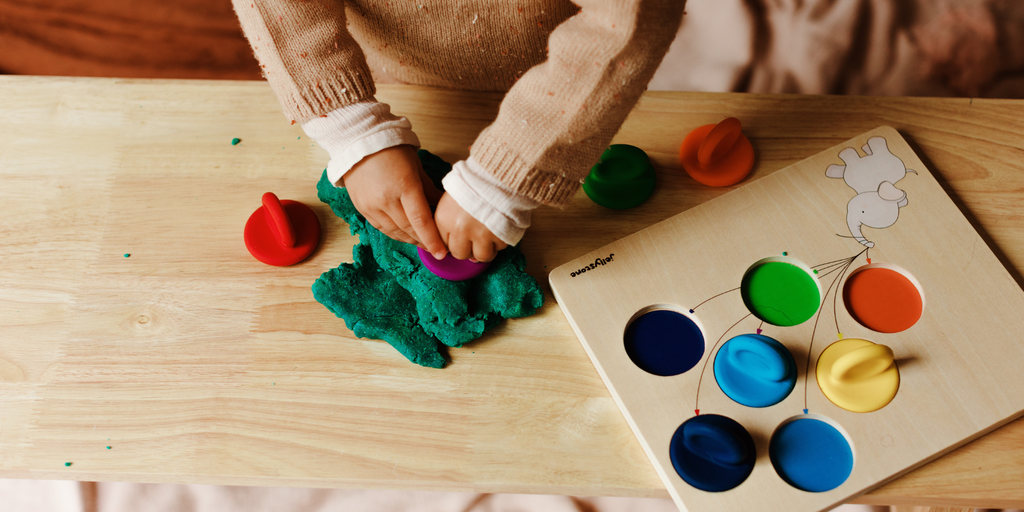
<point x="780" y="292"/>
<point x="624" y="178"/>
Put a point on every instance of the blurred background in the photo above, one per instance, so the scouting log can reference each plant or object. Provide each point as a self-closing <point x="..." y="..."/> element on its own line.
<point x="964" y="48"/>
<point x="869" y="47"/>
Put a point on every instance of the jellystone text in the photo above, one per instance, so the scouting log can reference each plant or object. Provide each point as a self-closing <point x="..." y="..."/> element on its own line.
<point x="597" y="263"/>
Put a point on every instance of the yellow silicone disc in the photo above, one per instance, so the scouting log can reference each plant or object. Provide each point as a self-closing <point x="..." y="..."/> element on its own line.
<point x="858" y="375"/>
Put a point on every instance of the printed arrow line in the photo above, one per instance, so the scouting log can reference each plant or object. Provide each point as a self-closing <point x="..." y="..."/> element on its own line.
<point x="696" y="402"/>
<point x="835" y="268"/>
<point x="713" y="297"/>
<point x="835" y="296"/>
<point x="810" y="346"/>
<point x="830" y="263"/>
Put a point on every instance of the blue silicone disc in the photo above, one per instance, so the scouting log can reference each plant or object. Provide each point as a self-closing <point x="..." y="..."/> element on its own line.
<point x="712" y="453"/>
<point x="755" y="370"/>
<point x="664" y="342"/>
<point x="811" y="455"/>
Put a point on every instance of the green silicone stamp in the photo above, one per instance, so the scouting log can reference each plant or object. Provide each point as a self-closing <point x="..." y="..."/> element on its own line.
<point x="624" y="178"/>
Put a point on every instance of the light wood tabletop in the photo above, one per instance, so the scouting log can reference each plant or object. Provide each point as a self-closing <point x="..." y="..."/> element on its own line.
<point x="139" y="341"/>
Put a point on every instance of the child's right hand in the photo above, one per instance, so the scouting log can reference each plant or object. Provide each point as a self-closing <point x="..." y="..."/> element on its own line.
<point x="393" y="192"/>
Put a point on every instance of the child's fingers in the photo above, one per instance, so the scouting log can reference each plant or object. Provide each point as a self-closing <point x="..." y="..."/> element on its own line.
<point x="421" y="220"/>
<point x="460" y="246"/>
<point x="483" y="250"/>
<point x="402" y="225"/>
<point x="432" y="193"/>
<point x="385" y="224"/>
<point x="444" y="232"/>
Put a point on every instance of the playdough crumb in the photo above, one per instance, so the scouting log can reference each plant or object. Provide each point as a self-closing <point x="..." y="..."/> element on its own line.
<point x="235" y="141"/>
<point x="126" y="255"/>
<point x="67" y="464"/>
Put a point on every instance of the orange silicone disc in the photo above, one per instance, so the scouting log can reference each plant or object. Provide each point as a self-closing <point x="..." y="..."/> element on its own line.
<point x="883" y="299"/>
<point x="728" y="164"/>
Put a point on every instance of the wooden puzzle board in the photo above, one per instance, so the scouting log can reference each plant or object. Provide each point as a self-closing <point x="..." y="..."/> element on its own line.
<point x="960" y="364"/>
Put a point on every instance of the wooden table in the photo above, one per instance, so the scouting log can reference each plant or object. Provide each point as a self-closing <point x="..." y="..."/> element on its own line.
<point x="139" y="340"/>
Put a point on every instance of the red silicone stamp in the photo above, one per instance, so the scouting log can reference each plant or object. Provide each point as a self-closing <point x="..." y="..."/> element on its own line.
<point x="282" y="233"/>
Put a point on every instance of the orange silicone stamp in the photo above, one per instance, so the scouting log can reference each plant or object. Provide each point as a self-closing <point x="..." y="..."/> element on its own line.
<point x="717" y="155"/>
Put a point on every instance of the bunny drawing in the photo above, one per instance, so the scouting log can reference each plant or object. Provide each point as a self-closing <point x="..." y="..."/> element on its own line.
<point x="873" y="176"/>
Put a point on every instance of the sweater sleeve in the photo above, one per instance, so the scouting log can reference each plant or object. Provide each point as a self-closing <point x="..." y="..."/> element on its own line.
<point x="561" y="115"/>
<point x="306" y="53"/>
<point x="355" y="131"/>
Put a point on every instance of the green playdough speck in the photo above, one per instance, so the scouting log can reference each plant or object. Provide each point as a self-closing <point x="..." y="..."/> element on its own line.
<point x="126" y="255"/>
<point x="235" y="141"/>
<point x="108" y="447"/>
<point x="67" y="464"/>
<point x="387" y="293"/>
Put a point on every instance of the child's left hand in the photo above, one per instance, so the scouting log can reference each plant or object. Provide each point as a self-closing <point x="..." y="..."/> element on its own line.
<point x="466" y="237"/>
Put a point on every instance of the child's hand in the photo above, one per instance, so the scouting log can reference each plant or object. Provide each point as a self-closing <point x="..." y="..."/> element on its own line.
<point x="391" y="190"/>
<point x="466" y="237"/>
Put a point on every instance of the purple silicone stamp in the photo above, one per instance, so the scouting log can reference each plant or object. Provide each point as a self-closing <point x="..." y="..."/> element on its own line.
<point x="451" y="268"/>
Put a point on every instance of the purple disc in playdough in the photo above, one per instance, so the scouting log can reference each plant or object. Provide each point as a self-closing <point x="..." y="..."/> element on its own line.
<point x="451" y="268"/>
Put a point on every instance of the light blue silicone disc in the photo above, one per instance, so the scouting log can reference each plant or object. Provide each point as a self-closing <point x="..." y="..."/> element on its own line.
<point x="755" y="370"/>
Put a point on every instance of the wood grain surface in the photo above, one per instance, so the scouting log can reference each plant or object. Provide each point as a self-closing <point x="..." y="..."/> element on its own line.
<point x="195" y="363"/>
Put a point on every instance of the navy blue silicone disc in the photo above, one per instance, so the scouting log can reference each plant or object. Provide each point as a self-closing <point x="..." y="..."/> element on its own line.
<point x="755" y="370"/>
<point x="811" y="455"/>
<point x="664" y="342"/>
<point x="712" y="453"/>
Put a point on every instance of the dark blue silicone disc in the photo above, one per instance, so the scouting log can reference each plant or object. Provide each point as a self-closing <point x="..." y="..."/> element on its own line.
<point x="712" y="453"/>
<point x="664" y="342"/>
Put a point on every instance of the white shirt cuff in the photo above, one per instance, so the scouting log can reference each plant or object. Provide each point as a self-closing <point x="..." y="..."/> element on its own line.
<point x="356" y="131"/>
<point x="487" y="200"/>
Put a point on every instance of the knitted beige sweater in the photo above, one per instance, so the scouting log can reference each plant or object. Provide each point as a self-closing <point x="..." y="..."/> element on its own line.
<point x="572" y="73"/>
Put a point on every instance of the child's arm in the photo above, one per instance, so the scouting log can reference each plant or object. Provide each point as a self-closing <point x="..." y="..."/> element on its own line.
<point x="559" y="117"/>
<point x="310" y="60"/>
<point x="553" y="124"/>
<point x="391" y="190"/>
<point x="322" y="80"/>
<point x="478" y="216"/>
<point x="373" y="155"/>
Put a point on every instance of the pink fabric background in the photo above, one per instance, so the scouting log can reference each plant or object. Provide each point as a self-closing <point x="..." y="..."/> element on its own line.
<point x="66" y="496"/>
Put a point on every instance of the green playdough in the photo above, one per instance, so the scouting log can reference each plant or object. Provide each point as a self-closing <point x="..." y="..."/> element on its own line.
<point x="386" y="292"/>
